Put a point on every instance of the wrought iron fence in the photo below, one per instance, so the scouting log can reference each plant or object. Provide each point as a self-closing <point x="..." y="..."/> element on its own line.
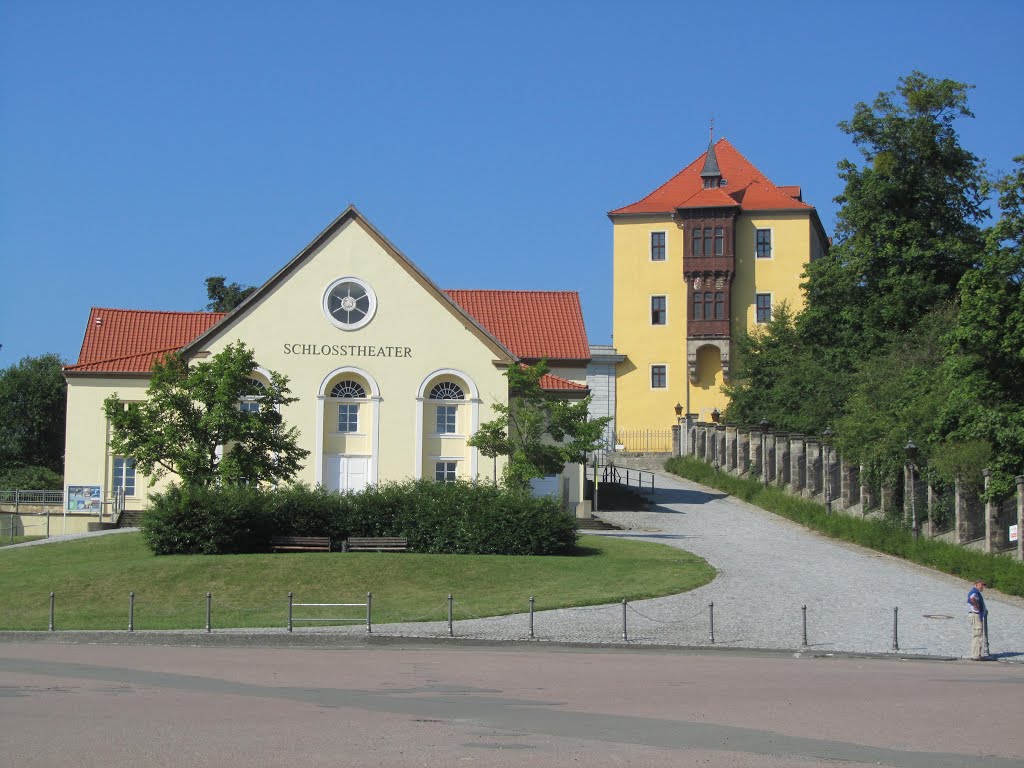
<point x="644" y="440"/>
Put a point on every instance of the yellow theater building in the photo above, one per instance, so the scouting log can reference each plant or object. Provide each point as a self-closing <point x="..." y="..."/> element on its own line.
<point x="393" y="375"/>
<point x="706" y="255"/>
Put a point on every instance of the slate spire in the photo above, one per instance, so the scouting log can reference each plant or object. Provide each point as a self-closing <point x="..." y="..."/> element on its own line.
<point x="711" y="173"/>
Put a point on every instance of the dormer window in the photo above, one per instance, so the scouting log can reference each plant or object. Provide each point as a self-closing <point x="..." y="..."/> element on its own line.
<point x="712" y="182"/>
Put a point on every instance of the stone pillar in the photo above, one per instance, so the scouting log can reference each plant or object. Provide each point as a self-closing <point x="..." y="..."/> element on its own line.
<point x="797" y="464"/>
<point x="960" y="515"/>
<point x="813" y="450"/>
<point x="701" y="441"/>
<point x="720" y="448"/>
<point x="756" y="443"/>
<point x="781" y="458"/>
<point x="730" y="449"/>
<point x="995" y="534"/>
<point x="867" y="494"/>
<point x="846" y="483"/>
<point x="742" y="452"/>
<point x="928" y="529"/>
<point x="677" y="447"/>
<point x="769" y="449"/>
<point x="888" y="500"/>
<point x="1020" y="517"/>
<point x="691" y="434"/>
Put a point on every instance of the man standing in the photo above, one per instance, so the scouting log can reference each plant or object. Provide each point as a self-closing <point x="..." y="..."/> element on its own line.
<point x="979" y="617"/>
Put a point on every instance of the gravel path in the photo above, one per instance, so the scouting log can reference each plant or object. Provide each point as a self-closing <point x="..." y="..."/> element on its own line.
<point x="768" y="569"/>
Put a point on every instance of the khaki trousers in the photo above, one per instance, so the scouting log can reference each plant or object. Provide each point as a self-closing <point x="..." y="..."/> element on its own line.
<point x="979" y="648"/>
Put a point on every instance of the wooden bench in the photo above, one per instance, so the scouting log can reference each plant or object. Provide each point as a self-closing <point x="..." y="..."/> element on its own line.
<point x="376" y="544"/>
<point x="300" y="543"/>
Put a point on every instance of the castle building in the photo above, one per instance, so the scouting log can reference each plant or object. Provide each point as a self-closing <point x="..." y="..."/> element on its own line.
<point x="393" y="375"/>
<point x="705" y="256"/>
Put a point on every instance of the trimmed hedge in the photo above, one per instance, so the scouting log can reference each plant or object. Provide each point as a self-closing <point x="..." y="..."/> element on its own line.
<point x="882" y="535"/>
<point x="441" y="518"/>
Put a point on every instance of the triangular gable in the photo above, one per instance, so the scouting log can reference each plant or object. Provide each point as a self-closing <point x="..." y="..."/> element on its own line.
<point x="351" y="214"/>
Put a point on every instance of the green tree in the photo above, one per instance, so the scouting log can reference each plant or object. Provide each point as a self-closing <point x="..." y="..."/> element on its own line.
<point x="192" y="424"/>
<point x="538" y="432"/>
<point x="899" y="394"/>
<point x="224" y="296"/>
<point x="33" y="407"/>
<point x="908" y="228"/>
<point x="782" y="378"/>
<point x="987" y="356"/>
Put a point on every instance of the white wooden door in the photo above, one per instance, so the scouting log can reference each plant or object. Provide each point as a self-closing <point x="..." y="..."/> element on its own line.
<point x="346" y="473"/>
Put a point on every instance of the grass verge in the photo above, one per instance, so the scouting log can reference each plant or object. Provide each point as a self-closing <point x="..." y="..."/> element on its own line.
<point x="999" y="571"/>
<point x="91" y="579"/>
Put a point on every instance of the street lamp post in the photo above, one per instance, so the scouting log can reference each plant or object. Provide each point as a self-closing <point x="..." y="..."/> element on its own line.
<point x="679" y="430"/>
<point x="764" y="451"/>
<point x="826" y="438"/>
<point x="911" y="451"/>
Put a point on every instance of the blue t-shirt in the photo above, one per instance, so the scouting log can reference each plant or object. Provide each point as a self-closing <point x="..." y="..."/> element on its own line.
<point x="981" y="610"/>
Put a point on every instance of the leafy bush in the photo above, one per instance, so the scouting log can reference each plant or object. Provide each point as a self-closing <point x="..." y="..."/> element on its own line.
<point x="884" y="535"/>
<point x="197" y="520"/>
<point x="30" y="479"/>
<point x="442" y="518"/>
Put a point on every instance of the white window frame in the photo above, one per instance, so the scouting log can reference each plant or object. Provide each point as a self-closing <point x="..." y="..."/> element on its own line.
<point x="347" y="404"/>
<point x="650" y="376"/>
<point x="446" y="460"/>
<point x="771" y="237"/>
<point x="446" y="404"/>
<point x="650" y="245"/>
<point x="771" y="307"/>
<point x="118" y="479"/>
<point x="651" y="308"/>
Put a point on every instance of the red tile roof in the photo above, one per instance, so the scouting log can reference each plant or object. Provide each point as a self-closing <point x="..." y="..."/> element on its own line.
<point x="131" y="340"/>
<point x="746" y="187"/>
<point x="553" y="383"/>
<point x="532" y="324"/>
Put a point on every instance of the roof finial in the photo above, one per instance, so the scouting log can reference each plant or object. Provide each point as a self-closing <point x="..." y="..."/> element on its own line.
<point x="712" y="139"/>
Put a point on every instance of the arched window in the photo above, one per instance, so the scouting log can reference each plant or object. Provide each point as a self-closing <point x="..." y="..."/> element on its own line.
<point x="447" y="390"/>
<point x="348" y="389"/>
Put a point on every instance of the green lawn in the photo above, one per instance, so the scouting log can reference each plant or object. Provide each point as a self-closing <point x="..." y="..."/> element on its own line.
<point x="91" y="579"/>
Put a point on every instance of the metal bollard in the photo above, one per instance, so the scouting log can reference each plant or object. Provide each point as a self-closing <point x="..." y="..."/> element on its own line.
<point x="369" y="603"/>
<point x="804" y="643"/>
<point x="531" y="617"/>
<point x="711" y="621"/>
<point x="51" y="611"/>
<point x="209" y="598"/>
<point x="450" y="632"/>
<point x="895" y="628"/>
<point x="131" y="611"/>
<point x="289" y="611"/>
<point x="624" y="635"/>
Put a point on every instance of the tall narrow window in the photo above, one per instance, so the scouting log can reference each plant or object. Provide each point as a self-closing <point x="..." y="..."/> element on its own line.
<point x="446" y="419"/>
<point x="698" y="241"/>
<point x="764" y="243"/>
<point x="709" y="306"/>
<point x="719" y="241"/>
<point x="659" y="376"/>
<point x="720" y="306"/>
<point x="124" y="475"/>
<point x="657" y="246"/>
<point x="348" y="417"/>
<point x="708" y="242"/>
<point x="659" y="312"/>
<point x="764" y="307"/>
<point x="698" y="305"/>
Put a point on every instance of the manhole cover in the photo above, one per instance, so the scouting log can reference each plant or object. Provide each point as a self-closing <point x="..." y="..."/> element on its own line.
<point x="937" y="616"/>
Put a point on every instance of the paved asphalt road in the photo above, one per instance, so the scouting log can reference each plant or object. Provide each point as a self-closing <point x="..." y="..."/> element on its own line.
<point x="411" y="703"/>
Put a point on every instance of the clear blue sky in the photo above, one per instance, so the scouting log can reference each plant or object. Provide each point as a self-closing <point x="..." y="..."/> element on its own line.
<point x="145" y="146"/>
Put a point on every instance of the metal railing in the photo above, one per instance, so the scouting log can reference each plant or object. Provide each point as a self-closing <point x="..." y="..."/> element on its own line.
<point x="634" y="478"/>
<point x="644" y="440"/>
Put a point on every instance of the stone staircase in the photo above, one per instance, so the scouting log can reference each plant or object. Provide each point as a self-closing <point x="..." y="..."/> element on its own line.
<point x="130" y="518"/>
<point x="594" y="523"/>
